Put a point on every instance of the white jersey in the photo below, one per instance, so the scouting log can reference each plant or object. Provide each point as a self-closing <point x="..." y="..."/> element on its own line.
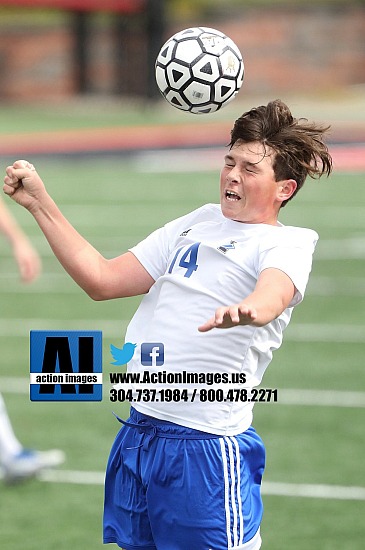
<point x="200" y="262"/>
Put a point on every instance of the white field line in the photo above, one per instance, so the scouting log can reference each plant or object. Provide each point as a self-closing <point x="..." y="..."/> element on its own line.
<point x="345" y="159"/>
<point x="21" y="328"/>
<point x="72" y="476"/>
<point x="313" y="332"/>
<point x="298" y="490"/>
<point x="329" y="492"/>
<point x="348" y="248"/>
<point x="296" y="332"/>
<point x="86" y="216"/>
<point x="335" y="286"/>
<point x="321" y="398"/>
<point x="61" y="284"/>
<point x="341" y="249"/>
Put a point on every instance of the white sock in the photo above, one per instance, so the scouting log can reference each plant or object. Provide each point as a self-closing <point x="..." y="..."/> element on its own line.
<point x="9" y="444"/>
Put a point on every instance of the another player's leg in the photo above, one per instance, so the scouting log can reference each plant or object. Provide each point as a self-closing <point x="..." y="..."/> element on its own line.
<point x="17" y="463"/>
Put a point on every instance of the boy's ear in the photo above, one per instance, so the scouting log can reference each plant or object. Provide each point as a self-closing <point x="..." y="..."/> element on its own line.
<point x="286" y="188"/>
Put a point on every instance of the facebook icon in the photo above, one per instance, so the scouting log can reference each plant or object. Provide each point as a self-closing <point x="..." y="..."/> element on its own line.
<point x="152" y="354"/>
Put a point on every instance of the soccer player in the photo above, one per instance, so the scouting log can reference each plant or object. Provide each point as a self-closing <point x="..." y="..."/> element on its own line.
<point x="220" y="285"/>
<point x="16" y="462"/>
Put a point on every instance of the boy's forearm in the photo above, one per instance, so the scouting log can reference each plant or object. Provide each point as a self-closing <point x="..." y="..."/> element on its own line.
<point x="272" y="295"/>
<point x="78" y="257"/>
<point x="267" y="305"/>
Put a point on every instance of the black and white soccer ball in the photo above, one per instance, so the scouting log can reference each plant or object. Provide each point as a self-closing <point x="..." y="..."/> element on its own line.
<point x="199" y="70"/>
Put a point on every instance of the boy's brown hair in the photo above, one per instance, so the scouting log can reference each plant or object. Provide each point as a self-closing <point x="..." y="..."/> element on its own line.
<point x="298" y="144"/>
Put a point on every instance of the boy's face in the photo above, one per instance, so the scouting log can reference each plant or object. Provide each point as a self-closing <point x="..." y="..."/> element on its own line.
<point x="248" y="190"/>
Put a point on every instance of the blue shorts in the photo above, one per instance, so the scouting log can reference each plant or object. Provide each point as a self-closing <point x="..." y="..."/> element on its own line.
<point x="172" y="488"/>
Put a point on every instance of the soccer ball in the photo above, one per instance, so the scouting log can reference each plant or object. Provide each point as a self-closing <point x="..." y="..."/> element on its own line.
<point x="199" y="70"/>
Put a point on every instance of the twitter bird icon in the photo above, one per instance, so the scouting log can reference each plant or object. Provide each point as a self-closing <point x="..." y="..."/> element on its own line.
<point x="122" y="356"/>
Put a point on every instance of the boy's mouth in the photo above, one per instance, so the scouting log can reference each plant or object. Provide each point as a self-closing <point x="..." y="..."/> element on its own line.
<point x="232" y="196"/>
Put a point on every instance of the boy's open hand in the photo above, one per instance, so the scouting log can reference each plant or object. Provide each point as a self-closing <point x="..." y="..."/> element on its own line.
<point x="230" y="316"/>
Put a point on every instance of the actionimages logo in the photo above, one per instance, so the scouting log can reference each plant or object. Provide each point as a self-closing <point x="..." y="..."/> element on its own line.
<point x="152" y="354"/>
<point x="65" y="365"/>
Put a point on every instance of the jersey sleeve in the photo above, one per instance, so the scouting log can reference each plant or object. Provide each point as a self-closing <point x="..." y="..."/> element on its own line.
<point x="155" y="250"/>
<point x="291" y="252"/>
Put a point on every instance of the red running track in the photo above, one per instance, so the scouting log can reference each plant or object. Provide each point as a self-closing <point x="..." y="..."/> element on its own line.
<point x="346" y="156"/>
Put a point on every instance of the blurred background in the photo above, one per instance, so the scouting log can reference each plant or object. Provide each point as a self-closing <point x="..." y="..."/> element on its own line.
<point x="109" y="47"/>
<point x="78" y="98"/>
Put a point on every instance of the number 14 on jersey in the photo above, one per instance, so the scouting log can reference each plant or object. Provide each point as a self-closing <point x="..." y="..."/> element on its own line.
<point x="188" y="259"/>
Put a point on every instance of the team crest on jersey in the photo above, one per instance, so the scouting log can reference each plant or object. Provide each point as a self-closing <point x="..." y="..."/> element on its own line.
<point x="184" y="233"/>
<point x="225" y="247"/>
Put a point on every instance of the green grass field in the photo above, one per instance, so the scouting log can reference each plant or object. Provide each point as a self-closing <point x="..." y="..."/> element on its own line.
<point x="115" y="203"/>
